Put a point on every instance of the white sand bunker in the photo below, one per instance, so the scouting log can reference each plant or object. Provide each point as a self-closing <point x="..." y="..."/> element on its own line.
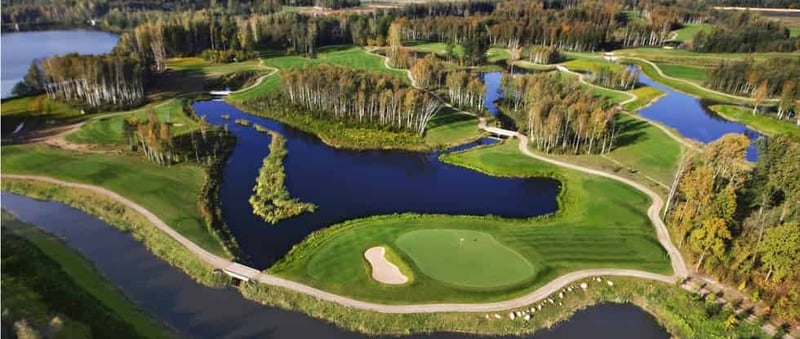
<point x="382" y="270"/>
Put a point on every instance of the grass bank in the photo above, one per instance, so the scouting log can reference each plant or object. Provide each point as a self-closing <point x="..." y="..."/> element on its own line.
<point x="681" y="85"/>
<point x="682" y="314"/>
<point x="171" y="193"/>
<point x="43" y="278"/>
<point x="585" y="233"/>
<point x="125" y="219"/>
<point x="766" y="123"/>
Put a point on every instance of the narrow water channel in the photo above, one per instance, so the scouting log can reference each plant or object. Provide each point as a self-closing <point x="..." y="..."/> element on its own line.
<point x="197" y="311"/>
<point x="687" y="115"/>
<point x="348" y="184"/>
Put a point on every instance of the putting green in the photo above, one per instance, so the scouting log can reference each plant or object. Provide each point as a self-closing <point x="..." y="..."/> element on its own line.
<point x="465" y="258"/>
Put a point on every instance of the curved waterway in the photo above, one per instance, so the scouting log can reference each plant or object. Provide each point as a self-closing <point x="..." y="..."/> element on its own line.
<point x="348" y="184"/>
<point x="198" y="311"/>
<point x="690" y="118"/>
<point x="20" y="49"/>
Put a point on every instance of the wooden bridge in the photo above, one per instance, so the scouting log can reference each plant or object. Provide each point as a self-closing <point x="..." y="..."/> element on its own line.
<point x="500" y="132"/>
<point x="241" y="272"/>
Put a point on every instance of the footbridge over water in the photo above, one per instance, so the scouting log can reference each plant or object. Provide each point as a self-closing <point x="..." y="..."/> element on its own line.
<point x="500" y="132"/>
<point x="241" y="272"/>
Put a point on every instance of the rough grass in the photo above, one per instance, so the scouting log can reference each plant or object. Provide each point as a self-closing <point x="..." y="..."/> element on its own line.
<point x="60" y="266"/>
<point x="171" y="193"/>
<point x="36" y="110"/>
<point x="108" y="130"/>
<point x="766" y="123"/>
<point x="587" y="233"/>
<point x="464" y="258"/>
<point x="683" y="72"/>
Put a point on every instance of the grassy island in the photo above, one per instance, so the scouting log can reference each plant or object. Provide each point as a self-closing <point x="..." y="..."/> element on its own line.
<point x="270" y="199"/>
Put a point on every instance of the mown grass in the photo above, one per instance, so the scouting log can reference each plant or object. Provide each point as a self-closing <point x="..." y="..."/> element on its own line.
<point x="195" y="63"/>
<point x="62" y="281"/>
<point x="585" y="63"/>
<point x="644" y="96"/>
<point x="766" y="123"/>
<point x="349" y="56"/>
<point x="640" y="148"/>
<point x="586" y="233"/>
<point x="680" y="85"/>
<point x="451" y="128"/>
<point x="108" y="130"/>
<point x="684" y="72"/>
<point x="688" y="31"/>
<point x="171" y="193"/>
<point x="464" y="258"/>
<point x="38" y="110"/>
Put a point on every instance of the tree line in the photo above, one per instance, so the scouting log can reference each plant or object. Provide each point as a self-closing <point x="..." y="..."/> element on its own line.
<point x="741" y="223"/>
<point x="91" y="82"/>
<point x="744" y="32"/>
<point x="772" y="77"/>
<point x="463" y="89"/>
<point x="558" y="115"/>
<point x="359" y="97"/>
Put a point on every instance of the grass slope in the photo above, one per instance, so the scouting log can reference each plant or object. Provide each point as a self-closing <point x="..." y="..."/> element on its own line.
<point x="765" y="123"/>
<point x="86" y="296"/>
<point x="587" y="233"/>
<point x="171" y="193"/>
<point x="683" y="72"/>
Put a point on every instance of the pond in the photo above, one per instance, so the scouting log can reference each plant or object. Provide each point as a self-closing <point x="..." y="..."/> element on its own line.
<point x="198" y="311"/>
<point x="690" y="118"/>
<point x="22" y="48"/>
<point x="348" y="184"/>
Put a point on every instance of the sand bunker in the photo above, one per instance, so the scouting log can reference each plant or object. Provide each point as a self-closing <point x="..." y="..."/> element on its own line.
<point x="382" y="270"/>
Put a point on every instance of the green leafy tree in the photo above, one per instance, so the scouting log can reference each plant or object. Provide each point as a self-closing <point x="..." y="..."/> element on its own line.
<point x="780" y="251"/>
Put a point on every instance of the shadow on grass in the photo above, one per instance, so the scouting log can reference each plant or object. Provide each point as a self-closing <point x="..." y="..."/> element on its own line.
<point x="632" y="131"/>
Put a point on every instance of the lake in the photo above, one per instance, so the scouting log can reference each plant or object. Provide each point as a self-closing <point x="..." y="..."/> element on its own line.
<point x="347" y="184"/>
<point x="690" y="118"/>
<point x="20" y="49"/>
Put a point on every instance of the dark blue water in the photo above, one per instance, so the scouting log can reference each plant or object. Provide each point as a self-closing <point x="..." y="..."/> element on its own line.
<point x="688" y="116"/>
<point x="349" y="184"/>
<point x="493" y="91"/>
<point x="198" y="311"/>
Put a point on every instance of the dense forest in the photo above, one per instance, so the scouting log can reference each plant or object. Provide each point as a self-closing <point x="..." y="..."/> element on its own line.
<point x="359" y="97"/>
<point x="741" y="223"/>
<point x="778" y="76"/>
<point x="558" y="115"/>
<point x="744" y="32"/>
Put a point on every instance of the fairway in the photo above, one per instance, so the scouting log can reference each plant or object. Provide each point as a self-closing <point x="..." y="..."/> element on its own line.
<point x="465" y="258"/>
